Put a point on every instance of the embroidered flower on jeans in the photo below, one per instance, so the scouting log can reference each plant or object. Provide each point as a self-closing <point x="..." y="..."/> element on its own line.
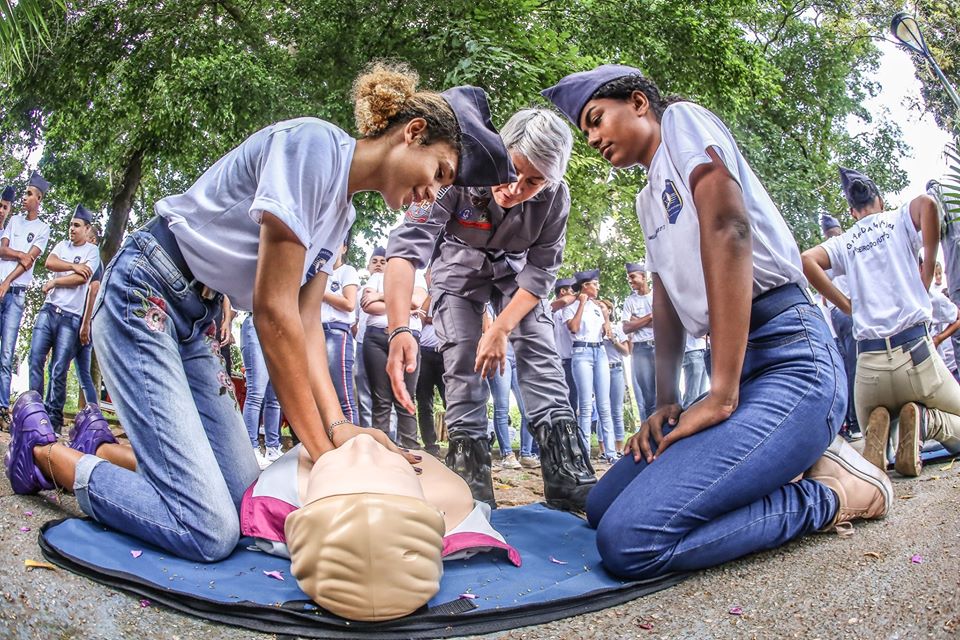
<point x="226" y="384"/>
<point x="153" y="310"/>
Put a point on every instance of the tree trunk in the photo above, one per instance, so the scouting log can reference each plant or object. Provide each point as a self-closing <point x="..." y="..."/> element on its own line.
<point x="120" y="207"/>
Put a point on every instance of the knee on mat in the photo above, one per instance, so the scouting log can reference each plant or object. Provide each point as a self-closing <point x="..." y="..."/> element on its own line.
<point x="617" y="558"/>
<point x="214" y="539"/>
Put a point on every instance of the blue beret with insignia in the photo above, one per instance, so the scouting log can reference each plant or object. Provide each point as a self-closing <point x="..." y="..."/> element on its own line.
<point x="37" y="181"/>
<point x="633" y="267"/>
<point x="574" y="91"/>
<point x="82" y="213"/>
<point x="858" y="189"/>
<point x="563" y="282"/>
<point x="587" y="276"/>
<point x="484" y="160"/>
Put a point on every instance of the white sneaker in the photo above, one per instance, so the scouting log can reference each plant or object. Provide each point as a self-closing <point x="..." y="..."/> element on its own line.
<point x="510" y="461"/>
<point x="272" y="454"/>
<point x="261" y="460"/>
<point x="530" y="462"/>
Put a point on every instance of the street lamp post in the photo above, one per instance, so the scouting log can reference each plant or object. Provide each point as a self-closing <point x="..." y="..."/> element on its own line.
<point x="904" y="28"/>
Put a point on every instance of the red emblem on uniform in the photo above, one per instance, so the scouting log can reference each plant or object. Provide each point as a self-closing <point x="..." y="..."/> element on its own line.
<point x="418" y="212"/>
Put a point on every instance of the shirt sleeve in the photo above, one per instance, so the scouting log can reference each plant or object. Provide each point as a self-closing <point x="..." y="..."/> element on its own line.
<point x="838" y="256"/>
<point x="40" y="242"/>
<point x="546" y="254"/>
<point x="58" y="249"/>
<point x="569" y="311"/>
<point x="419" y="280"/>
<point x="294" y="173"/>
<point x="98" y="274"/>
<point x="350" y="278"/>
<point x="415" y="239"/>
<point x="374" y="283"/>
<point x="687" y="131"/>
<point x="6" y="231"/>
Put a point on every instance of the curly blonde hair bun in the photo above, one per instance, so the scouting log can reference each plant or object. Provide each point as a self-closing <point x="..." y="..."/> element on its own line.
<point x="379" y="94"/>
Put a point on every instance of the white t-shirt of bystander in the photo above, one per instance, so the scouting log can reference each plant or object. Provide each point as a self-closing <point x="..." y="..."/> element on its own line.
<point x="23" y="235"/>
<point x="342" y="277"/>
<point x="639" y="306"/>
<point x="375" y="283"/>
<point x="591" y="322"/>
<point x="945" y="313"/>
<point x="72" y="299"/>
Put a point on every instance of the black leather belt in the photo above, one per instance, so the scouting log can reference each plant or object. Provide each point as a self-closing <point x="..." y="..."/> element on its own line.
<point x="17" y="289"/>
<point x="908" y="335"/>
<point x="616" y="365"/>
<point x="769" y="304"/>
<point x="158" y="228"/>
<point x="594" y="345"/>
<point x="428" y="349"/>
<point x="336" y="326"/>
<point x="60" y="312"/>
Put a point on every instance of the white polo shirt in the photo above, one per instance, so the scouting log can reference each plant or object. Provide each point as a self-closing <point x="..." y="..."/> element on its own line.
<point x="639" y="306"/>
<point x="879" y="256"/>
<point x="591" y="322"/>
<point x="613" y="354"/>
<point x="341" y="278"/>
<point x="72" y="299"/>
<point x="945" y="313"/>
<point x="375" y="283"/>
<point x="671" y="227"/>
<point x="23" y="235"/>
<point x="296" y="170"/>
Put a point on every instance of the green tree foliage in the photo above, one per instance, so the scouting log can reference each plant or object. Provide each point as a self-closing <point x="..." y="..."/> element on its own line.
<point x="135" y="98"/>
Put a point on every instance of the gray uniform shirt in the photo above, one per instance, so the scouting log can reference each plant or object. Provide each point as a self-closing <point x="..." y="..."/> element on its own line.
<point x="476" y="245"/>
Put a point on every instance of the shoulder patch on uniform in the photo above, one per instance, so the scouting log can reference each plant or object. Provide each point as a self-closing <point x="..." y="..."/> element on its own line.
<point x="672" y="202"/>
<point x="418" y="212"/>
<point x="322" y="256"/>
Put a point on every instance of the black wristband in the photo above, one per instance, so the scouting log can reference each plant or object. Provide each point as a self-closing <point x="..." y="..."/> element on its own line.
<point x="398" y="331"/>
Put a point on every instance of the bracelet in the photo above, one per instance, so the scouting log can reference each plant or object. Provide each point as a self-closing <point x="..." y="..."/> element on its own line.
<point x="398" y="331"/>
<point x="334" y="426"/>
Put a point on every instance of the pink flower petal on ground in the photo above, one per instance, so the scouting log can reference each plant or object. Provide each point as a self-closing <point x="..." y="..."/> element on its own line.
<point x="646" y="626"/>
<point x="276" y="575"/>
<point x="736" y="611"/>
<point x="468" y="596"/>
<point x="144" y="603"/>
<point x="24" y="529"/>
<point x="555" y="561"/>
<point x="28" y="513"/>
<point x="916" y="559"/>
<point x="136" y="553"/>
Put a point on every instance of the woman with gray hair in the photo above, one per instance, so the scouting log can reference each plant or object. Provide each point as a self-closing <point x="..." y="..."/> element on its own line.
<point x="502" y="245"/>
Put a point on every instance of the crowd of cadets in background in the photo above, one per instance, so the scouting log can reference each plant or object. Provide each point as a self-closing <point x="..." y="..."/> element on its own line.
<point x="354" y="316"/>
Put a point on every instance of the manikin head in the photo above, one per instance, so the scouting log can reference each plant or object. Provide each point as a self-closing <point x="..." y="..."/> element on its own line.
<point x="367" y="544"/>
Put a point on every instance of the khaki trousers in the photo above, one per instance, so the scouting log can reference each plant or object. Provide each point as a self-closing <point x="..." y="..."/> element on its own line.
<point x="889" y="379"/>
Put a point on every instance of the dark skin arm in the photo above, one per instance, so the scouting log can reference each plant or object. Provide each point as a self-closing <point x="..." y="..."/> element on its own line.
<point x="562" y="302"/>
<point x="18" y="270"/>
<point x="54" y="263"/>
<point x="726" y="253"/>
<point x="635" y="323"/>
<point x="815" y="263"/>
<point x="926" y="219"/>
<point x="88" y="313"/>
<point x="946" y="333"/>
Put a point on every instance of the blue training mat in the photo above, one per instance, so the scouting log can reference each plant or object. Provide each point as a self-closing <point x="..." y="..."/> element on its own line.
<point x="561" y="576"/>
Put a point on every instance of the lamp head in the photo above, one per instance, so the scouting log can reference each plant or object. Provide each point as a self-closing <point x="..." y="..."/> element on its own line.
<point x="904" y="28"/>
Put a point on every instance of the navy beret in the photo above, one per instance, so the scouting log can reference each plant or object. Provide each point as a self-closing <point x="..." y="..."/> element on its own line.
<point x="858" y="189"/>
<point x="633" y="267"/>
<point x="9" y="193"/>
<point x="37" y="181"/>
<point x="379" y="252"/>
<point x="587" y="276"/>
<point x="484" y="160"/>
<point x="563" y="282"/>
<point x="82" y="213"/>
<point x="828" y="222"/>
<point x="574" y="91"/>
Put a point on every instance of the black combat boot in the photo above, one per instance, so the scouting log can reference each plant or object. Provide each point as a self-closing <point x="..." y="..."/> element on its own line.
<point x="568" y="475"/>
<point x="470" y="459"/>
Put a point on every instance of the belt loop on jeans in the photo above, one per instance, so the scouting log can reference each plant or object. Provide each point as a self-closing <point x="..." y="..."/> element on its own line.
<point x="160" y="230"/>
<point x="594" y="345"/>
<point x="900" y="339"/>
<point x="769" y="304"/>
<point x="335" y="326"/>
<point x="616" y="365"/>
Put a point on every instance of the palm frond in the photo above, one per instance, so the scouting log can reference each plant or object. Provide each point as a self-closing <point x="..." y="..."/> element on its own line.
<point x="24" y="31"/>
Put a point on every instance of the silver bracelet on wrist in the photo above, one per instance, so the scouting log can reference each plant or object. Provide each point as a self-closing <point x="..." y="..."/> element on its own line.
<point x="334" y="426"/>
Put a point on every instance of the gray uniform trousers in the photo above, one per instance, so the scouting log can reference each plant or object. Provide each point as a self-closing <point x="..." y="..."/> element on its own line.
<point x="458" y="322"/>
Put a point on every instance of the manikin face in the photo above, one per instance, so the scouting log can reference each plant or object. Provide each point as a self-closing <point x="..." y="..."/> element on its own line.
<point x="362" y="465"/>
<point x="31" y="199"/>
<point x="529" y="183"/>
<point x="638" y="281"/>
<point x="625" y="132"/>
<point x="415" y="172"/>
<point x="377" y="264"/>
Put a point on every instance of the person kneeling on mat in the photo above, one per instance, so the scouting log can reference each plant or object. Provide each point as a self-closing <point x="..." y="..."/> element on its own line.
<point x="503" y="245"/>
<point x="358" y="493"/>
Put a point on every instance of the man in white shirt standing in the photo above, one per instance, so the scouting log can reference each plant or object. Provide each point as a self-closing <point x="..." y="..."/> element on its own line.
<point x="638" y="325"/>
<point x="57" y="326"/>
<point x="24" y="239"/>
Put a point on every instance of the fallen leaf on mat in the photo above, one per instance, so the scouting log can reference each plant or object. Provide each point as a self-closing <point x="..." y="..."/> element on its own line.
<point x="468" y="596"/>
<point x="37" y="564"/>
<point x="136" y="553"/>
<point x="276" y="575"/>
<point x="872" y="554"/>
<point x="948" y="466"/>
<point x="555" y="561"/>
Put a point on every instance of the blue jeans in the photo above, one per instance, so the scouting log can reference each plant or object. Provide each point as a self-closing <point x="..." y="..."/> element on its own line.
<point x="644" y="378"/>
<point x="157" y="346"/>
<point x="57" y="330"/>
<point x="260" y="394"/>
<point x="617" y="389"/>
<point x="843" y="327"/>
<point x="340" y="361"/>
<point x="725" y="491"/>
<point x="500" y="387"/>
<point x="694" y="376"/>
<point x="82" y="366"/>
<point x="364" y="395"/>
<point x="11" y="312"/>
<point x="591" y="370"/>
